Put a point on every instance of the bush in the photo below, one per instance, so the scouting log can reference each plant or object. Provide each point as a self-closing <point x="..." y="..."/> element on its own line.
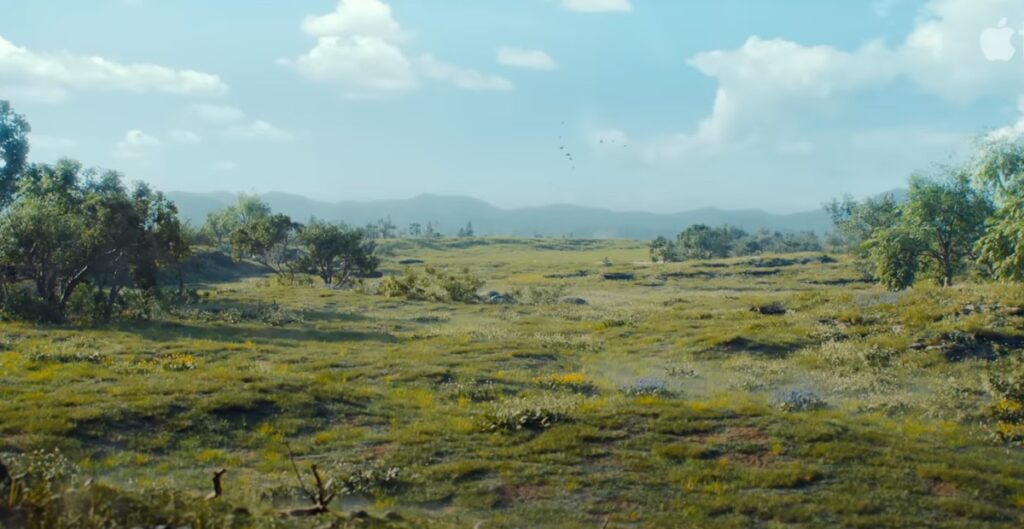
<point x="433" y="285"/>
<point x="1006" y="384"/>
<point x="529" y="413"/>
<point x="799" y="400"/>
<point x="647" y="387"/>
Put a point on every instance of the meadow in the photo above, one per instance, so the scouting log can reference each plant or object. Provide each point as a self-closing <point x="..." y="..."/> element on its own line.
<point x="766" y="391"/>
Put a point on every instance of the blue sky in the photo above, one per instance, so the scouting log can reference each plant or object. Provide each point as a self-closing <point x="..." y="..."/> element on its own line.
<point x="663" y="106"/>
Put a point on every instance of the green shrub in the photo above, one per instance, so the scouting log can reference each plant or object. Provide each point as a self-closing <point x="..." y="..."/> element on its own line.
<point x="529" y="413"/>
<point x="433" y="285"/>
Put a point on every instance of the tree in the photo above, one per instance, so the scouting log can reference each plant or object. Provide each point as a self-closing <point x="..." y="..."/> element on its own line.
<point x="661" y="249"/>
<point x="68" y="227"/>
<point x="948" y="217"/>
<point x="415" y="230"/>
<point x="467" y="231"/>
<point x="14" y="148"/>
<point x="895" y="252"/>
<point x="856" y="222"/>
<point x="704" y="242"/>
<point x="265" y="239"/>
<point x="999" y="169"/>
<point x="220" y="224"/>
<point x="335" y="252"/>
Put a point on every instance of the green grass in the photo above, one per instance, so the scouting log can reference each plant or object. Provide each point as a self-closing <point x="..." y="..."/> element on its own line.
<point x="351" y="380"/>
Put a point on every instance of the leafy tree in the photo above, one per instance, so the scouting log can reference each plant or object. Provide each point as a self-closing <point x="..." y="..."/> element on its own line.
<point x="220" y="224"/>
<point x="265" y="239"/>
<point x="704" y="242"/>
<point x="999" y="169"/>
<point x="335" y="252"/>
<point x="415" y="230"/>
<point x="895" y="252"/>
<point x="948" y="217"/>
<point x="14" y="147"/>
<point x="69" y="227"/>
<point x="856" y="222"/>
<point x="661" y="249"/>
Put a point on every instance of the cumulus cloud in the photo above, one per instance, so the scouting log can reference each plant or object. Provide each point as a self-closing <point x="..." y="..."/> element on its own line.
<point x="461" y="77"/>
<point x="258" y="130"/>
<point x="523" y="58"/>
<point x="361" y="67"/>
<point x="356" y="18"/>
<point x="597" y="6"/>
<point x="51" y="77"/>
<point x="769" y="88"/>
<point x="362" y="51"/>
<point x="135" y="144"/>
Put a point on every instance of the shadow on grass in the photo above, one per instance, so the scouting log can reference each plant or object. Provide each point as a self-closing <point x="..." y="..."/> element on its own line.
<point x="172" y="331"/>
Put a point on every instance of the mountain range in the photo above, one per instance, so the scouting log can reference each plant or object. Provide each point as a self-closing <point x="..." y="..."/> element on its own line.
<point x="450" y="213"/>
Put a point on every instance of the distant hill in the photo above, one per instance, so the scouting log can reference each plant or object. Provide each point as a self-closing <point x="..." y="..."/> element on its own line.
<point x="453" y="212"/>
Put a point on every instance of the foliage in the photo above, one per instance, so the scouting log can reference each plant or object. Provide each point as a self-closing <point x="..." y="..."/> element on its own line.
<point x="69" y="227"/>
<point x="999" y="169"/>
<point x="529" y="413"/>
<point x="703" y="242"/>
<point x="335" y="252"/>
<point x="1006" y="384"/>
<point x="14" y="148"/>
<point x="433" y="284"/>
<point x="948" y="217"/>
<point x="857" y="222"/>
<point x="896" y="253"/>
<point x="799" y="400"/>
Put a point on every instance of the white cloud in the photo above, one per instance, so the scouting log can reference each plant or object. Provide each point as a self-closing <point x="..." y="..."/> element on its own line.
<point x="361" y="67"/>
<point x="258" y="130"/>
<point x="135" y="144"/>
<point x="355" y="18"/>
<point x="771" y="90"/>
<point x="217" y="113"/>
<point x="461" y="77"/>
<point x="52" y="76"/>
<point x="597" y="6"/>
<point x="361" y="50"/>
<point x="184" y="136"/>
<point x="522" y="58"/>
<point x="1014" y="131"/>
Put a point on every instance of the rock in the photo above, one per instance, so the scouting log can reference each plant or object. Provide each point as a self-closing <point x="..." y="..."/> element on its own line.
<point x="497" y="298"/>
<point x="771" y="309"/>
<point x="574" y="301"/>
<point x="619" y="276"/>
<point x="410" y="261"/>
<point x="917" y="346"/>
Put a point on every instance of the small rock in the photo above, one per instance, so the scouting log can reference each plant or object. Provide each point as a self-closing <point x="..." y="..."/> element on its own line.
<point x="619" y="276"/>
<point x="771" y="309"/>
<point x="574" y="301"/>
<point x="917" y="346"/>
<point x="410" y="261"/>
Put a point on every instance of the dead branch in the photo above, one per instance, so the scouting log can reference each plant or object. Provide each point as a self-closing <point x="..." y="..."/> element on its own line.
<point x="321" y="498"/>
<point x="217" y="488"/>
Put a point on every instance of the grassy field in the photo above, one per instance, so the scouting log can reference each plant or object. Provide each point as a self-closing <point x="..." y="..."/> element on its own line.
<point x="663" y="401"/>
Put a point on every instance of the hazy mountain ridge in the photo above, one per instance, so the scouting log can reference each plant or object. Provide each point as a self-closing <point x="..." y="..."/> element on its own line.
<point x="453" y="212"/>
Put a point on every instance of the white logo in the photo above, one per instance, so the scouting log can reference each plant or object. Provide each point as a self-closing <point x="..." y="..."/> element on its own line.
<point x="997" y="43"/>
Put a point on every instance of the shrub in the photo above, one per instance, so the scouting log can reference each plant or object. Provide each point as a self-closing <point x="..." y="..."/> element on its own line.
<point x="1006" y="384"/>
<point x="647" y="387"/>
<point x="540" y="294"/>
<point x="575" y="382"/>
<point x="529" y="413"/>
<point x="799" y="400"/>
<point x="433" y="285"/>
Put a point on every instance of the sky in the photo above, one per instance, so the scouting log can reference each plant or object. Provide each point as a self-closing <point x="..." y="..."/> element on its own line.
<point x="649" y="105"/>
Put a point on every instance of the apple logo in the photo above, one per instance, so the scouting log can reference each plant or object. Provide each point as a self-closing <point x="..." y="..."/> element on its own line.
<point x="997" y="43"/>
